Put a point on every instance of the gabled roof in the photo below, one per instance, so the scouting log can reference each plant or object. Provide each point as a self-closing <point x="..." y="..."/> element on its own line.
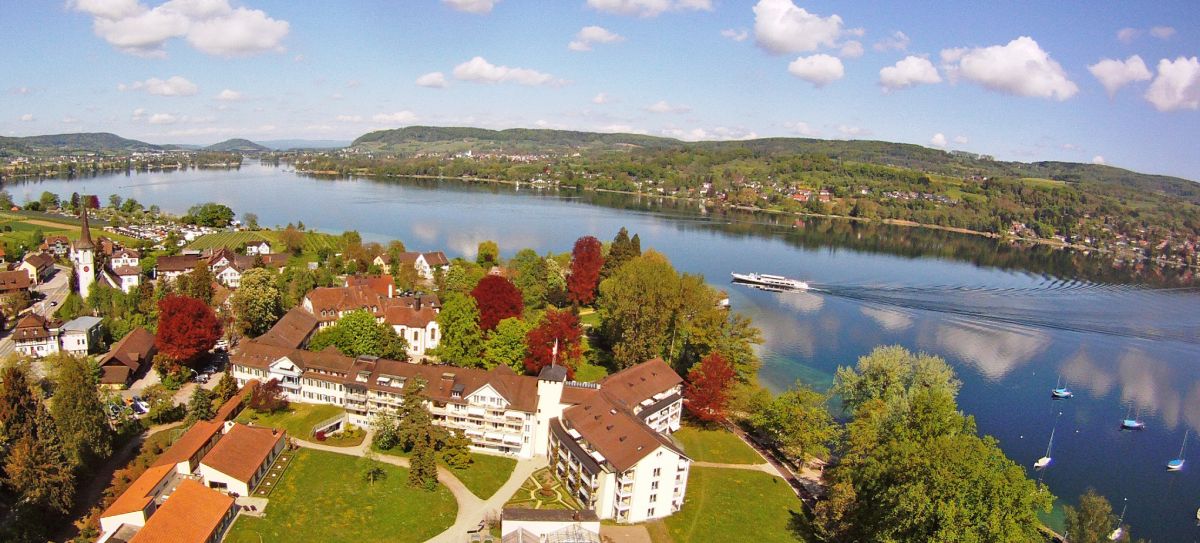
<point x="382" y="285"/>
<point x="132" y="351"/>
<point x="180" y="263"/>
<point x="127" y="270"/>
<point x="409" y="317"/>
<point x="33" y="327"/>
<point x="140" y="493"/>
<point x="40" y="261"/>
<point x="242" y="451"/>
<point x="436" y="259"/>
<point x="126" y="253"/>
<point x="190" y="443"/>
<point x="14" y="280"/>
<point x="192" y="514"/>
<point x="614" y="431"/>
<point x="292" y="330"/>
<point x="637" y="383"/>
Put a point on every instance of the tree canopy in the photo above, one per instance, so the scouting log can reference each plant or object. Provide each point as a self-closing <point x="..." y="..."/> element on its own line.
<point x="497" y="299"/>
<point x="587" y="258"/>
<point x="461" y="343"/>
<point x="187" y="328"/>
<point x="357" y="333"/>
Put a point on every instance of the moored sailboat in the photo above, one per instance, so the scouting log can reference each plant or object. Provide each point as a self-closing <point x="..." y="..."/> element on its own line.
<point x="1061" y="392"/>
<point x="1134" y="423"/>
<point x="1176" y="463"/>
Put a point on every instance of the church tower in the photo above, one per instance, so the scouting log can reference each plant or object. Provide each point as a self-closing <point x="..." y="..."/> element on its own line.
<point x="83" y="254"/>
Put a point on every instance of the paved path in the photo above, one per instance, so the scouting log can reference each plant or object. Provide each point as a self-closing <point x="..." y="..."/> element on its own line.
<point x="471" y="509"/>
<point x="765" y="467"/>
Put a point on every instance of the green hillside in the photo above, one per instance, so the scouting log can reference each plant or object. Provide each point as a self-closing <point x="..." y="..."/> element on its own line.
<point x="237" y="145"/>
<point x="53" y="144"/>
<point x="442" y="139"/>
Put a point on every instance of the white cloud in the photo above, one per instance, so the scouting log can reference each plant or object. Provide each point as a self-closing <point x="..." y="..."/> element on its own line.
<point x="163" y="118"/>
<point x="401" y="117"/>
<point x="1114" y="74"/>
<point x="739" y="34"/>
<point x="662" y="106"/>
<point x="910" y="71"/>
<point x="648" y="8"/>
<point x="820" y="70"/>
<point x="229" y="95"/>
<point x="432" y="80"/>
<point x="601" y="98"/>
<point x="472" y="6"/>
<point x="938" y="140"/>
<point x="298" y="58"/>
<point x="350" y="118"/>
<point x="1177" y="85"/>
<point x="1098" y="159"/>
<point x="1020" y="67"/>
<point x="802" y="128"/>
<point x="478" y="69"/>
<point x="172" y="86"/>
<point x="781" y="27"/>
<point x="961" y="140"/>
<point x="1127" y="35"/>
<point x="26" y="117"/>
<point x="70" y="120"/>
<point x="898" y="41"/>
<point x="210" y="26"/>
<point x="591" y="35"/>
<point x="852" y="49"/>
<point x="621" y="128"/>
<point x="1162" y="32"/>
<point x="138" y="114"/>
<point x="20" y="91"/>
<point x="720" y="133"/>
<point x="850" y="131"/>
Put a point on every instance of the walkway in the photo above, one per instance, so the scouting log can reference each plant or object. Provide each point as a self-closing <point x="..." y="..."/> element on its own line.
<point x="471" y="510"/>
<point x="765" y="467"/>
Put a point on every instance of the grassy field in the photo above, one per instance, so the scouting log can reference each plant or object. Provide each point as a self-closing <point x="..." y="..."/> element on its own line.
<point x="322" y="497"/>
<point x="717" y="445"/>
<point x="483" y="478"/>
<point x="1041" y="182"/>
<point x="17" y="229"/>
<point x="737" y="505"/>
<point x="588" y="373"/>
<point x="313" y="241"/>
<point x="297" y="420"/>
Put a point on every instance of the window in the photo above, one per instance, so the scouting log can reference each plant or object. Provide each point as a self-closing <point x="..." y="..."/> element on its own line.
<point x="657" y="472"/>
<point x="650" y="512"/>
<point x="653" y="486"/>
<point x="653" y="499"/>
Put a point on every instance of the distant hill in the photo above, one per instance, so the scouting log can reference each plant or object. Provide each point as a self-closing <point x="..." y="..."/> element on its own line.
<point x="237" y="145"/>
<point x="284" y="145"/>
<point x="101" y="142"/>
<point x="416" y="139"/>
<point x="453" y="139"/>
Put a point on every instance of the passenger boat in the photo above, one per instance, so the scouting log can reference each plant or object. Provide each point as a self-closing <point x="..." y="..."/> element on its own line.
<point x="770" y="282"/>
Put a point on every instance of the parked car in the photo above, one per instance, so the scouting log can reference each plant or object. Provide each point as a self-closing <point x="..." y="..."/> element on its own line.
<point x="53" y="303"/>
<point x="140" y="408"/>
<point x="114" y="410"/>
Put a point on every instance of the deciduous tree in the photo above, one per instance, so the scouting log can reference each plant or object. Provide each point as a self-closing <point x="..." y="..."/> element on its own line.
<point x="556" y="329"/>
<point x="1093" y="520"/>
<point x="257" y="303"/>
<point x="226" y="387"/>
<point x="357" y="333"/>
<point x="506" y="345"/>
<point x="197" y="284"/>
<point x="462" y="340"/>
<point x="707" y="392"/>
<point x="530" y="276"/>
<point x="187" y="328"/>
<point x="292" y="239"/>
<point x="488" y="254"/>
<point x="267" y="397"/>
<point x="587" y="258"/>
<point x="78" y="413"/>
<point x="796" y="422"/>
<point x="497" y="299"/>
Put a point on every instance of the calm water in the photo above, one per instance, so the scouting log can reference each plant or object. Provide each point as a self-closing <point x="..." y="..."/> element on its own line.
<point x="1009" y="321"/>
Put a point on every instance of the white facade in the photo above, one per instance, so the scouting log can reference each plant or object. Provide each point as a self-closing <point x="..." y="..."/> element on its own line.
<point x="125" y="258"/>
<point x="419" y="339"/>
<point x="230" y="277"/>
<point x="85" y="269"/>
<point x="260" y="248"/>
<point x="38" y="348"/>
<point x="129" y="283"/>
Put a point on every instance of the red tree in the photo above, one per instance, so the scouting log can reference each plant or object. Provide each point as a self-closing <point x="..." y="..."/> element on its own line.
<point x="497" y="299"/>
<point x="562" y="326"/>
<point x="586" y="260"/>
<point x="267" y="397"/>
<point x="707" y="391"/>
<point x="187" y="327"/>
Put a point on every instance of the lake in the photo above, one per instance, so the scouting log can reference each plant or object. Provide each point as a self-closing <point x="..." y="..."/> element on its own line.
<point x="1011" y="321"/>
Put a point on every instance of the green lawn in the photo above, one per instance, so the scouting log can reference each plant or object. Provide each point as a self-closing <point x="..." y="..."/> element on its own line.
<point x="297" y="420"/>
<point x="322" y="497"/>
<point x="588" y="373"/>
<point x="738" y="505"/>
<point x="716" y="445"/>
<point x="483" y="478"/>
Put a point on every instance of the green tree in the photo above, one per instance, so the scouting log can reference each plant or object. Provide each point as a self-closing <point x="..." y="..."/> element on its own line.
<point x="1093" y="520"/>
<point x="462" y="277"/>
<point x="797" y="422"/>
<point x="462" y="340"/>
<point x="197" y="283"/>
<point x="18" y="407"/>
<point x="357" y="333"/>
<point x="250" y="220"/>
<point x="488" y="254"/>
<point x="257" y="303"/>
<point x="914" y="469"/>
<point x="506" y="345"/>
<point x="226" y="387"/>
<point x="77" y="410"/>
<point x="530" y="275"/>
<point x="418" y="436"/>
<point x="619" y="252"/>
<point x="456" y="450"/>
<point x="386" y="435"/>
<point x="38" y="469"/>
<point x="200" y="405"/>
<point x="373" y="473"/>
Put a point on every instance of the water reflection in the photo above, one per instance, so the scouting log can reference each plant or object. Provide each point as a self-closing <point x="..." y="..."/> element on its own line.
<point x="890" y="319"/>
<point x="994" y="350"/>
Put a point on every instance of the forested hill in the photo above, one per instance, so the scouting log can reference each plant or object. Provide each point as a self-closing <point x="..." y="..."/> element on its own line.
<point x="100" y="142"/>
<point x="426" y="139"/>
<point x="237" y="145"/>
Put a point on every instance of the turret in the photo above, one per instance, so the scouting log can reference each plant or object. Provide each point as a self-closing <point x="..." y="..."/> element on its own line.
<point x="551" y="380"/>
<point x="83" y="255"/>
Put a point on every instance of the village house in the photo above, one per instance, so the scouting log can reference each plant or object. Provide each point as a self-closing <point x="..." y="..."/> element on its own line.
<point x="58" y="245"/>
<point x="36" y="336"/>
<point x="241" y="458"/>
<point x="548" y="525"/>
<point x="609" y="439"/>
<point x="39" y="266"/>
<point x="14" y="281"/>
<point x="169" y="268"/>
<point x="425" y="263"/>
<point x="257" y="248"/>
<point x="412" y="317"/>
<point x="78" y="336"/>
<point x="128" y="358"/>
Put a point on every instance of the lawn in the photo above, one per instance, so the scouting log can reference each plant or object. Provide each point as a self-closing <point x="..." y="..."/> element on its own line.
<point x="716" y="445"/>
<point x="589" y="373"/>
<point x="322" y="497"/>
<point x="483" y="478"/>
<point x="297" y="420"/>
<point x="738" y="505"/>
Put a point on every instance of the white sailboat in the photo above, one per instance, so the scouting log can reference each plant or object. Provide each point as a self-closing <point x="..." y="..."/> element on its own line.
<point x="1177" y="463"/>
<point x="1044" y="461"/>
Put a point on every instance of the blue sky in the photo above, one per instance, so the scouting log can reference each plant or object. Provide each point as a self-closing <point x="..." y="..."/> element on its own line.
<point x="1020" y="80"/>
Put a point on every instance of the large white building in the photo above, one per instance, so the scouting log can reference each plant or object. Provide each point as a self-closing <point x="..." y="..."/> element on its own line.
<point x="414" y="318"/>
<point x="609" y="441"/>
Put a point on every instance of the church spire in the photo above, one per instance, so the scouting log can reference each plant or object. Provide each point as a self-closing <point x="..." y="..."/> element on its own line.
<point x="85" y="233"/>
